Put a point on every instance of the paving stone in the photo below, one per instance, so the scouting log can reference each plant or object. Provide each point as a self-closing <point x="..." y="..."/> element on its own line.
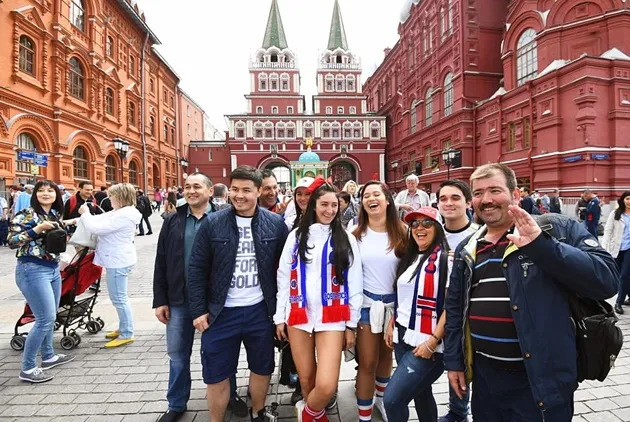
<point x="27" y="399"/>
<point x="20" y="410"/>
<point x="56" y="409"/>
<point x="124" y="397"/>
<point x="123" y="408"/>
<point x="601" y="417"/>
<point x="601" y="404"/>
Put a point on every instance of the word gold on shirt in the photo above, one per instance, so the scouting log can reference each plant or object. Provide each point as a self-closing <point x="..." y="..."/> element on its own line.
<point x="246" y="268"/>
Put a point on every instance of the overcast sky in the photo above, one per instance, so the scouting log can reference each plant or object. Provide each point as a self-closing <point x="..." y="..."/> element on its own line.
<point x="209" y="42"/>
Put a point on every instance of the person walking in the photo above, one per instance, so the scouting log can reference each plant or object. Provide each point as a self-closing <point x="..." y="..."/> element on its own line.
<point x="617" y="242"/>
<point x="412" y="198"/>
<point x="508" y="325"/>
<point x="232" y="292"/>
<point x="143" y="205"/>
<point x="319" y="298"/>
<point x="417" y="331"/>
<point x="555" y="203"/>
<point x="4" y="221"/>
<point x="158" y="198"/>
<point x="38" y="278"/>
<point x="116" y="252"/>
<point x="382" y="240"/>
<point x="593" y="212"/>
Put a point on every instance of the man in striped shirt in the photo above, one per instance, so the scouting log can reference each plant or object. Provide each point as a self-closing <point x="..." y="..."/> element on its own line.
<point x="508" y="324"/>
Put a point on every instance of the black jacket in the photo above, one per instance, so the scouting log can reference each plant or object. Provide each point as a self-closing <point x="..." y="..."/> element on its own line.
<point x="168" y="276"/>
<point x="214" y="257"/>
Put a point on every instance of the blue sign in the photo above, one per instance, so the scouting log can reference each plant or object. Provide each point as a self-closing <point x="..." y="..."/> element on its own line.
<point x="40" y="160"/>
<point x="600" y="157"/>
<point x="573" y="158"/>
<point x="26" y="155"/>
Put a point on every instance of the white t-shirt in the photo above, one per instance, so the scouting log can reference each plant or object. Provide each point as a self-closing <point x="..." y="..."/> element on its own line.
<point x="379" y="264"/>
<point x="245" y="288"/>
<point x="454" y="238"/>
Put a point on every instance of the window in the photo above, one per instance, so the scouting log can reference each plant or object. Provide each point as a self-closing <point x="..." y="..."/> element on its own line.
<point x="76" y="79"/>
<point x="164" y="96"/>
<point x="109" y="47"/>
<point x="347" y="133"/>
<point x="77" y="14"/>
<point x="375" y="131"/>
<point x="274" y="110"/>
<point x="262" y="82"/>
<point x="240" y="133"/>
<point x="110" y="169"/>
<point x="259" y="110"/>
<point x="330" y="80"/>
<point x="448" y="94"/>
<point x="187" y="110"/>
<point x="284" y="82"/>
<point x="80" y="162"/>
<point x="353" y="110"/>
<point x="152" y="125"/>
<point x="258" y="133"/>
<point x="165" y="133"/>
<point x="133" y="173"/>
<point x="329" y="110"/>
<point x="290" y="133"/>
<point x="273" y="82"/>
<point x="173" y="136"/>
<point x="326" y="133"/>
<point x="428" y="108"/>
<point x="188" y="129"/>
<point x="132" y="66"/>
<point x="341" y="82"/>
<point x="172" y="101"/>
<point x="268" y="133"/>
<point x="340" y="110"/>
<point x="350" y="83"/>
<point x="413" y="117"/>
<point x="280" y="133"/>
<point x="451" y="6"/>
<point x="526" y="57"/>
<point x="27" y="55"/>
<point x="131" y="118"/>
<point x="443" y="26"/>
<point x="336" y="133"/>
<point x="527" y="132"/>
<point x="357" y="133"/>
<point x="109" y="101"/>
<point x="308" y="132"/>
<point x="152" y="85"/>
<point x="24" y="142"/>
<point x="425" y="40"/>
<point x="511" y="137"/>
<point x="289" y="110"/>
<point x="428" y="162"/>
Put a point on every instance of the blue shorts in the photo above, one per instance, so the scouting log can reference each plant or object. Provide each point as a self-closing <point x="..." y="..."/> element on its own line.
<point x="365" y="312"/>
<point x="221" y="343"/>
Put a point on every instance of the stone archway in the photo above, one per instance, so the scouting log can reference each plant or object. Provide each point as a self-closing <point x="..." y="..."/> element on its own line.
<point x="341" y="172"/>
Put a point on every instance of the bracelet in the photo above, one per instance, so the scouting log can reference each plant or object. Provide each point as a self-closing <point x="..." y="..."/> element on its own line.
<point x="439" y="340"/>
<point x="428" y="348"/>
<point x="353" y="329"/>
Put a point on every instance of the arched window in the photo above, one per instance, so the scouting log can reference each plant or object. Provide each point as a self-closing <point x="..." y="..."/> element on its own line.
<point x="350" y="83"/>
<point x="258" y="130"/>
<point x="24" y="142"/>
<point x="443" y="26"/>
<point x="77" y="14"/>
<point x="375" y="130"/>
<point x="173" y="136"/>
<point x="109" y="47"/>
<point x="269" y="130"/>
<point x="280" y="130"/>
<point x="308" y="130"/>
<point x="259" y="110"/>
<point x="330" y="83"/>
<point x="110" y="169"/>
<point x="336" y="130"/>
<point x="425" y="41"/>
<point x="151" y="85"/>
<point x="526" y="57"/>
<point x="451" y="6"/>
<point x="81" y="163"/>
<point x="328" y="110"/>
<point x="428" y="107"/>
<point x="273" y="82"/>
<point x="109" y="101"/>
<point x="347" y="130"/>
<point x="413" y="117"/>
<point x="448" y="94"/>
<point x="274" y="110"/>
<point x="284" y="82"/>
<point x="340" y="110"/>
<point x="76" y="79"/>
<point x="131" y="118"/>
<point x="133" y="173"/>
<point x="165" y="133"/>
<point x="132" y="65"/>
<point x="262" y="81"/>
<point x="358" y="130"/>
<point x="27" y="55"/>
<point x="341" y="83"/>
<point x="291" y="130"/>
<point x="152" y="125"/>
<point x="240" y="130"/>
<point x="326" y="130"/>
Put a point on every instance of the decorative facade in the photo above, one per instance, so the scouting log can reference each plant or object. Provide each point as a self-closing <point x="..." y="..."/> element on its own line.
<point x="540" y="85"/>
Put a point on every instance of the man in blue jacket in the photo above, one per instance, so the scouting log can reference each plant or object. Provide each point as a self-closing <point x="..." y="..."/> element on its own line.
<point x="593" y="212"/>
<point x="170" y="294"/>
<point x="232" y="291"/>
<point x="508" y="324"/>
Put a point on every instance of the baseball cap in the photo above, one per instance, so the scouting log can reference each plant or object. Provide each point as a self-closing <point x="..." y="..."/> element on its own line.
<point x="29" y="186"/>
<point x="61" y="187"/>
<point x="304" y="182"/>
<point x="429" y="212"/>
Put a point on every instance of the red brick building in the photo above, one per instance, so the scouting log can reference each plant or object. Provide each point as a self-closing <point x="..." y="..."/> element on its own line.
<point x="540" y="85"/>
<point x="348" y="142"/>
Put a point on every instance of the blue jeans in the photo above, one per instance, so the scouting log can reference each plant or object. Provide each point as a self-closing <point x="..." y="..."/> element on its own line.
<point x="41" y="287"/>
<point x="180" y="335"/>
<point x="117" y="280"/>
<point x="456" y="406"/>
<point x="412" y="380"/>
<point x="591" y="227"/>
<point x="623" y="262"/>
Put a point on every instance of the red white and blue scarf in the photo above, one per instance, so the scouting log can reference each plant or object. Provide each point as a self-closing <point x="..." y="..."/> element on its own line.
<point x="334" y="297"/>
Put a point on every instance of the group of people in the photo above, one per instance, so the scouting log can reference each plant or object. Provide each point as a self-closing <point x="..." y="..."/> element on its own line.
<point x="442" y="292"/>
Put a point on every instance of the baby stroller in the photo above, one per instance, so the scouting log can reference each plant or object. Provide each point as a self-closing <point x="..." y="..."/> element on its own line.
<point x="73" y="312"/>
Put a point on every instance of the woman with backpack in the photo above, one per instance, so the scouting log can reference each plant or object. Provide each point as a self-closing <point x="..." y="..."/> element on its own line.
<point x="37" y="275"/>
<point x="617" y="242"/>
<point x="417" y="329"/>
<point x="320" y="290"/>
<point x="116" y="252"/>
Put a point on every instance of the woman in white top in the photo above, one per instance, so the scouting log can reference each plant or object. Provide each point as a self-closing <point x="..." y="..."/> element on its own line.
<point x="617" y="242"/>
<point x="382" y="239"/>
<point x="417" y="330"/>
<point x="301" y="196"/>
<point x="115" y="251"/>
<point x="319" y="298"/>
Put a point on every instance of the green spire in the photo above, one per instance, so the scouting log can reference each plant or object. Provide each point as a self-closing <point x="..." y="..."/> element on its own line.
<point x="274" y="34"/>
<point x="337" y="38"/>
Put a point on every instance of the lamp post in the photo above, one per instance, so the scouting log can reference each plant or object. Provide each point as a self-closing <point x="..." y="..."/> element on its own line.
<point x="394" y="167"/>
<point x="122" y="147"/>
<point x="448" y="155"/>
<point x="184" y="164"/>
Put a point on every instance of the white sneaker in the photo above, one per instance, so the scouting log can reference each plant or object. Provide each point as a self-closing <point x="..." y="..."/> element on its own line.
<point x="380" y="406"/>
<point x="299" y="407"/>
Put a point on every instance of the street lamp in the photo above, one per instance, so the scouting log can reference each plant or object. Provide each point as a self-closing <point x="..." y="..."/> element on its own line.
<point x="394" y="167"/>
<point x="122" y="147"/>
<point x="448" y="156"/>
<point x="184" y="164"/>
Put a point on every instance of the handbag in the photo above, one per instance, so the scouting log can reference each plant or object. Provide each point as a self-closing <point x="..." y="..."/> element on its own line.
<point x="82" y="236"/>
<point x="55" y="240"/>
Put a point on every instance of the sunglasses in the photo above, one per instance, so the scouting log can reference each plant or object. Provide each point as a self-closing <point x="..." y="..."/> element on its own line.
<point x="426" y="223"/>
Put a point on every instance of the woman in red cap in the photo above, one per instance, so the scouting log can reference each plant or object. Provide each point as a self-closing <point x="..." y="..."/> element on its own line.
<point x="417" y="329"/>
<point x="320" y="291"/>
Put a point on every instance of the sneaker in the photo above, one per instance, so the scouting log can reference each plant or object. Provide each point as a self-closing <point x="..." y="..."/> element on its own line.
<point x="149" y="233"/>
<point x="296" y="396"/>
<point x="118" y="342"/>
<point x="171" y="416"/>
<point x="37" y="376"/>
<point x="626" y="302"/>
<point x="61" y="359"/>
<point x="618" y="309"/>
<point x="451" y="417"/>
<point x="141" y="234"/>
<point x="380" y="406"/>
<point x="299" y="408"/>
<point x="259" y="418"/>
<point x="238" y="406"/>
<point x="112" y="335"/>
<point x="332" y="402"/>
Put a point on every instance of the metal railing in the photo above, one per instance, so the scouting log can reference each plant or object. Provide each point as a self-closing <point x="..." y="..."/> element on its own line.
<point x="340" y="66"/>
<point x="272" y="65"/>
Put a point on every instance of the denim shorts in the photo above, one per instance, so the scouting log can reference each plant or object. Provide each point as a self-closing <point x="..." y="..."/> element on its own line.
<point x="365" y="312"/>
<point x="221" y="343"/>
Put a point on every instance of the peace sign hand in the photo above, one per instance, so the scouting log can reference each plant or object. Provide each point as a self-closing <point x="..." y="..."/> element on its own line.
<point x="528" y="230"/>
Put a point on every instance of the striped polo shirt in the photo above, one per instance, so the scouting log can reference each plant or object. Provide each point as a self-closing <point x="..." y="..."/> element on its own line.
<point x="491" y="325"/>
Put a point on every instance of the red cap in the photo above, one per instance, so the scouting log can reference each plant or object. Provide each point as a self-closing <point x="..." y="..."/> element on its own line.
<point x="429" y="212"/>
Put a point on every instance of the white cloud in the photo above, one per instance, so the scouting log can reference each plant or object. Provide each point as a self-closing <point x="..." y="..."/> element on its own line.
<point x="209" y="42"/>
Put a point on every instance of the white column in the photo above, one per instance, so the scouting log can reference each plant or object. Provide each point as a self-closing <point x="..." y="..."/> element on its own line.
<point x="381" y="166"/>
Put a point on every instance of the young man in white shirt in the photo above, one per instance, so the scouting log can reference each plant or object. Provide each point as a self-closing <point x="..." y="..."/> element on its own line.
<point x="454" y="198"/>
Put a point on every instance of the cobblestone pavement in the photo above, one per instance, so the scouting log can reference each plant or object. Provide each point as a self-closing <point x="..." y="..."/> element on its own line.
<point x="129" y="383"/>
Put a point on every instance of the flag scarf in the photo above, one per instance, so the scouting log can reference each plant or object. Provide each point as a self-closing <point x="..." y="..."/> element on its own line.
<point x="335" y="297"/>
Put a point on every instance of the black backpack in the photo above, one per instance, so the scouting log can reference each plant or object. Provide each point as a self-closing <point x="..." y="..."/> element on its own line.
<point x="598" y="339"/>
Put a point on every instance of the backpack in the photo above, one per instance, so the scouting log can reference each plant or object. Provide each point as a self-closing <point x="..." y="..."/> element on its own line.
<point x="73" y="203"/>
<point x="598" y="339"/>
